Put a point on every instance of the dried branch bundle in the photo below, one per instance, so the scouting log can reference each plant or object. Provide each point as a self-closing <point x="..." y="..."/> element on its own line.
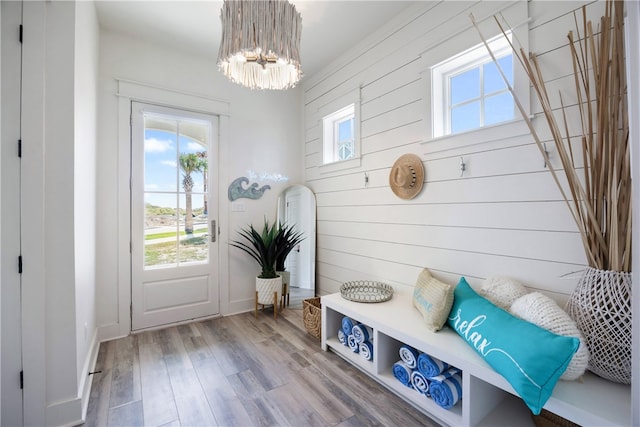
<point x="600" y="199"/>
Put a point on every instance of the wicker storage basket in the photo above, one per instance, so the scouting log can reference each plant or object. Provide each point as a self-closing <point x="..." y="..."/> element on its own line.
<point x="549" y="419"/>
<point x="312" y="316"/>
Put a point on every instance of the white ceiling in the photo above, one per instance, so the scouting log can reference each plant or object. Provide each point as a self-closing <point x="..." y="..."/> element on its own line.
<point x="329" y="27"/>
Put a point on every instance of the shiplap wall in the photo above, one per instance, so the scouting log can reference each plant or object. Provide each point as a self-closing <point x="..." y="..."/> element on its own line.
<point x="504" y="215"/>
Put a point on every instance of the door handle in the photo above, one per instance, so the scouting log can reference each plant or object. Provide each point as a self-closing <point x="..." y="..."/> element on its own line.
<point x="214" y="231"/>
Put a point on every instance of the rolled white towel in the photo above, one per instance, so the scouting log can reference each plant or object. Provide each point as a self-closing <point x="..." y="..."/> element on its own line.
<point x="353" y="345"/>
<point x="342" y="337"/>
<point x="420" y="382"/>
<point x="409" y="355"/>
<point x="362" y="333"/>
<point x="366" y="350"/>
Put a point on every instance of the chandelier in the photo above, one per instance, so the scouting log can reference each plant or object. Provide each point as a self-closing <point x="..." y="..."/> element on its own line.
<point x="260" y="46"/>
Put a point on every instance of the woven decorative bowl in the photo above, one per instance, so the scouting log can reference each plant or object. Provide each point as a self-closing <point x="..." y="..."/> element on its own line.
<point x="366" y="291"/>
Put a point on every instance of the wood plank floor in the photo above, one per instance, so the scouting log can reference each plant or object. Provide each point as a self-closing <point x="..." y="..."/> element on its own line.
<point x="237" y="371"/>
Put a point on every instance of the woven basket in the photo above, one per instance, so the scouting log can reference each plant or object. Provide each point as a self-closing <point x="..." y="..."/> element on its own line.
<point x="549" y="419"/>
<point x="312" y="316"/>
<point x="601" y="307"/>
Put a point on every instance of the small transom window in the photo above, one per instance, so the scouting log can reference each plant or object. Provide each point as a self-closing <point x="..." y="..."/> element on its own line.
<point x="469" y="92"/>
<point x="339" y="135"/>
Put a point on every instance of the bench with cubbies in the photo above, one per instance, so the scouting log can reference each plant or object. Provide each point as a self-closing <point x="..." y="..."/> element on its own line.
<point x="487" y="398"/>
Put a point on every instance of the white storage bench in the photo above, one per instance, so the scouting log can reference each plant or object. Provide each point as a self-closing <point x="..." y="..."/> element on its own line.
<point x="487" y="398"/>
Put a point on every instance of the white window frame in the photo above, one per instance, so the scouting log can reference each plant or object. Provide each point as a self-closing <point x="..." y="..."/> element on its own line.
<point x="330" y="134"/>
<point x="330" y="115"/>
<point x="442" y="73"/>
<point x="463" y="37"/>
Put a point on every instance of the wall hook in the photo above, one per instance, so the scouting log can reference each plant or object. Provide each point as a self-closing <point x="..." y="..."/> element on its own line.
<point x="463" y="166"/>
<point x="366" y="179"/>
<point x="546" y="153"/>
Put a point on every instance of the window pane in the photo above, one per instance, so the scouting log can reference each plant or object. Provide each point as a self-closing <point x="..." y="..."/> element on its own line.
<point x="345" y="150"/>
<point x="493" y="81"/>
<point x="498" y="108"/>
<point x="194" y="247"/>
<point x="160" y="228"/>
<point x="160" y="166"/>
<point x="345" y="130"/>
<point x="344" y="143"/>
<point x="192" y="162"/>
<point x="465" y="117"/>
<point x="465" y="86"/>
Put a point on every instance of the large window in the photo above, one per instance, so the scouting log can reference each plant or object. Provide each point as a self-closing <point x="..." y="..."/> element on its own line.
<point x="469" y="92"/>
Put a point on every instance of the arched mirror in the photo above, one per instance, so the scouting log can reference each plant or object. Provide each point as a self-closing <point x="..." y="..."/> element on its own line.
<point x="297" y="207"/>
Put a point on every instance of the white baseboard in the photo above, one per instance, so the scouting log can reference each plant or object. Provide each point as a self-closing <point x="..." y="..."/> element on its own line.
<point x="68" y="413"/>
<point x="84" y="388"/>
<point x="74" y="411"/>
<point x="111" y="332"/>
<point x="240" y="306"/>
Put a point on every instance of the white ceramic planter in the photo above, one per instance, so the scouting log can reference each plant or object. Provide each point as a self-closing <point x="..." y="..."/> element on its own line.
<point x="266" y="288"/>
<point x="286" y="278"/>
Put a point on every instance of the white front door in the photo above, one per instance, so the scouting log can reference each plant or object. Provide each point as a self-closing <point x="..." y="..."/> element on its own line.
<point x="174" y="209"/>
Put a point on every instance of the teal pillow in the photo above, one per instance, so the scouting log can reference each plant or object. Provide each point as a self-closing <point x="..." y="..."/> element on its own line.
<point x="531" y="358"/>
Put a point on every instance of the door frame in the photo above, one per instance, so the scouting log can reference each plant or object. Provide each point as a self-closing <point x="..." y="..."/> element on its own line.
<point x="128" y="91"/>
<point x="11" y="333"/>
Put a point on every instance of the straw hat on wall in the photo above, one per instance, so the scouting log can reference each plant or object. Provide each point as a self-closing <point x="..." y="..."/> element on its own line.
<point x="407" y="176"/>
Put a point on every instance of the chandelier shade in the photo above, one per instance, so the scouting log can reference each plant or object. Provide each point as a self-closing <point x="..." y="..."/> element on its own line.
<point x="260" y="46"/>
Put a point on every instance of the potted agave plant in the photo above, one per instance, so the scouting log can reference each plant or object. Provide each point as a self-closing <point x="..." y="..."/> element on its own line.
<point x="287" y="239"/>
<point x="262" y="247"/>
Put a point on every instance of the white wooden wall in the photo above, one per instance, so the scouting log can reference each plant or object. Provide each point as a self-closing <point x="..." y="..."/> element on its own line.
<point x="504" y="215"/>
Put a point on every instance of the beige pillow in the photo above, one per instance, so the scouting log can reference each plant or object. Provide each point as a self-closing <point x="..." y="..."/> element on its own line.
<point x="433" y="299"/>
<point x="502" y="290"/>
<point x="543" y="311"/>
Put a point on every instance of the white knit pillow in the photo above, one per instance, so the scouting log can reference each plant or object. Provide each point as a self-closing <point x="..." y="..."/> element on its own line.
<point x="502" y="290"/>
<point x="546" y="313"/>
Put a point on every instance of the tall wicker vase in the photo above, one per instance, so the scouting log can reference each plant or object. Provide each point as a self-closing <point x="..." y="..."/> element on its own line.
<point x="601" y="307"/>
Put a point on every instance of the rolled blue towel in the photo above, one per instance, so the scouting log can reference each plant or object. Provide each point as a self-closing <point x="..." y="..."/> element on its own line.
<point x="430" y="366"/>
<point x="361" y="332"/>
<point x="409" y="355"/>
<point x="342" y="337"/>
<point x="366" y="350"/>
<point x="446" y="374"/>
<point x="353" y="345"/>
<point x="448" y="392"/>
<point x="402" y="372"/>
<point x="347" y="325"/>
<point x="420" y="382"/>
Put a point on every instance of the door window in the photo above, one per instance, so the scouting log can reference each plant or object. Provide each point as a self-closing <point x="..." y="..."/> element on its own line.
<point x="176" y="224"/>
